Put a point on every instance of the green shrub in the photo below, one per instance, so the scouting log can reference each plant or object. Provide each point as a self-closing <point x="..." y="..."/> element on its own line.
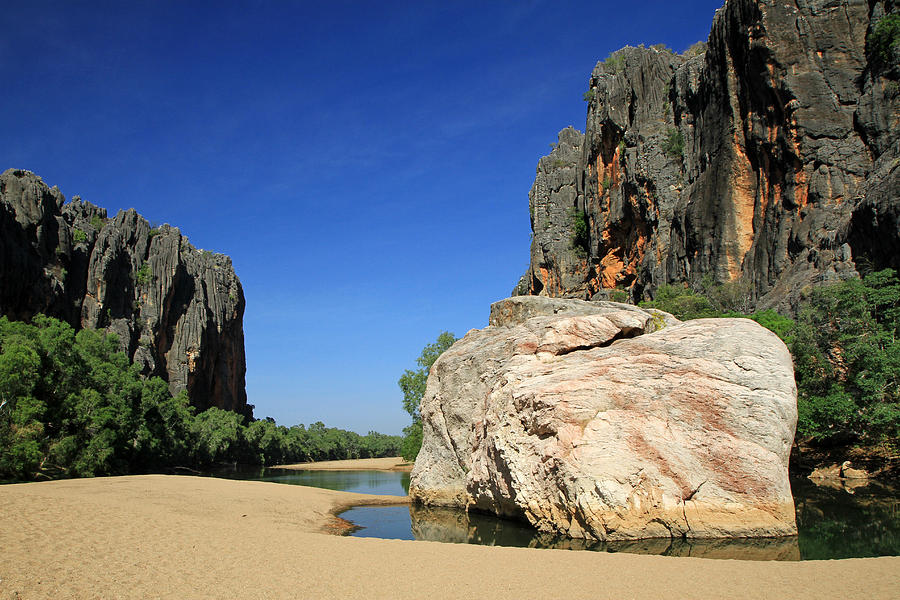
<point x="673" y="145"/>
<point x="615" y="62"/>
<point x="98" y="222"/>
<point x="885" y="39"/>
<point x="733" y="296"/>
<point x="580" y="235"/>
<point x="696" y="49"/>
<point x="777" y="323"/>
<point x="144" y="275"/>
<point x="588" y="95"/>
<point x="79" y="236"/>
<point x="618" y="296"/>
<point x="682" y="302"/>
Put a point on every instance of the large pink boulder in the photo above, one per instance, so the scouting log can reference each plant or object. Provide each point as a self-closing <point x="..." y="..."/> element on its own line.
<point x="604" y="421"/>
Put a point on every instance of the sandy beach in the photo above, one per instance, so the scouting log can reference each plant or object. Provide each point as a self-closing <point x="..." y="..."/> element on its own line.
<point x="158" y="536"/>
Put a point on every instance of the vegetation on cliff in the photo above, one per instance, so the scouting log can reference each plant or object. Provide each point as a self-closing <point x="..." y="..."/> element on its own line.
<point x="845" y="343"/>
<point x="72" y="405"/>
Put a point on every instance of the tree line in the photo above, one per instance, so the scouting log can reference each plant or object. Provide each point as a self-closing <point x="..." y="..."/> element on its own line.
<point x="72" y="405"/>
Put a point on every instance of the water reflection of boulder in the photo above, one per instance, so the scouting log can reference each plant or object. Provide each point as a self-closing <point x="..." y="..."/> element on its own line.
<point x="782" y="548"/>
<point x="457" y="526"/>
<point x="844" y="485"/>
<point x="439" y="524"/>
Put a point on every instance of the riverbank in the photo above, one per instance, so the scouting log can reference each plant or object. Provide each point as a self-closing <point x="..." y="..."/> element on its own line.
<point x="394" y="463"/>
<point x="199" y="537"/>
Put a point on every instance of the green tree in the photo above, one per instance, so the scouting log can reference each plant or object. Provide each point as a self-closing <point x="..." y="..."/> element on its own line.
<point x="413" y="383"/>
<point x="218" y="435"/>
<point x="265" y="440"/>
<point x="164" y="435"/>
<point x="847" y="360"/>
<point x="21" y="414"/>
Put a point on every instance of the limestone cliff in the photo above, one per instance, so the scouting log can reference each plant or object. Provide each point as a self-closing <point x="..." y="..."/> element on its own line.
<point x="177" y="310"/>
<point x="770" y="154"/>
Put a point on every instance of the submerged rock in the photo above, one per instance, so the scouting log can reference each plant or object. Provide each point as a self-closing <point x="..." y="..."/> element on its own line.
<point x="604" y="421"/>
<point x="840" y="477"/>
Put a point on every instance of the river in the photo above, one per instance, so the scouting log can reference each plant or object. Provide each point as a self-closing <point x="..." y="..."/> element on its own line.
<point x="833" y="522"/>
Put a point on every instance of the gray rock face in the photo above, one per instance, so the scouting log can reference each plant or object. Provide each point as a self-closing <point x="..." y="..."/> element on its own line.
<point x="603" y="421"/>
<point x="177" y="311"/>
<point x="769" y="156"/>
<point x="556" y="265"/>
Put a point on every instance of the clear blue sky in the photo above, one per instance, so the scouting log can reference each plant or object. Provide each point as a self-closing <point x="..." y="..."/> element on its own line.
<point x="365" y="164"/>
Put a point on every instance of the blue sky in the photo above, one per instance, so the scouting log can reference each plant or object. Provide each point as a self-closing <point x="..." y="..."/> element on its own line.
<point x="365" y="164"/>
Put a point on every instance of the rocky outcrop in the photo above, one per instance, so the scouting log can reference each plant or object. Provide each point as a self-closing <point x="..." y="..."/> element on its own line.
<point x="604" y="421"/>
<point x="769" y="155"/>
<point x="177" y="310"/>
<point x="551" y="202"/>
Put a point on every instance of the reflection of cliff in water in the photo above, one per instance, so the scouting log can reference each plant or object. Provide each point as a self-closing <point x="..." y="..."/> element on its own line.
<point x="455" y="526"/>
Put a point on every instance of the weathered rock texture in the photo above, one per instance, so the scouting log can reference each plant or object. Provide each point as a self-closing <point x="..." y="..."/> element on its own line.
<point x="789" y="174"/>
<point x="604" y="421"/>
<point x="176" y="310"/>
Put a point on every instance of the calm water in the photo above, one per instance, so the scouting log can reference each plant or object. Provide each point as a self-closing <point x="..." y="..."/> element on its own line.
<point x="390" y="483"/>
<point x="832" y="522"/>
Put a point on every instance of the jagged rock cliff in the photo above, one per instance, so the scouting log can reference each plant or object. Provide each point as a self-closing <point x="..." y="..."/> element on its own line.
<point x="770" y="155"/>
<point x="177" y="311"/>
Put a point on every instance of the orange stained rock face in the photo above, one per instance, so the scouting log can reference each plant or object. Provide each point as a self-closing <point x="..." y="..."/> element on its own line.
<point x="544" y="275"/>
<point x="801" y="188"/>
<point x="610" y="268"/>
<point x="739" y="229"/>
<point x="604" y="172"/>
<point x="618" y="263"/>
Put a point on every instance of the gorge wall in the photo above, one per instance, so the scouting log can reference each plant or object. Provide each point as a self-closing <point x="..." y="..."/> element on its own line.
<point x="177" y="311"/>
<point x="769" y="156"/>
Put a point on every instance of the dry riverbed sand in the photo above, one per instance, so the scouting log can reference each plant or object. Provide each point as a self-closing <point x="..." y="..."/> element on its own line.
<point x="157" y="536"/>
